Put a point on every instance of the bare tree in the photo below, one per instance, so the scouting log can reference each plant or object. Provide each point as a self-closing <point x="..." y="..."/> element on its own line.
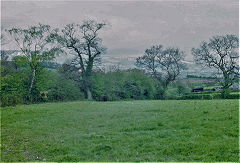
<point x="86" y="45"/>
<point x="4" y="41"/>
<point x="3" y="38"/>
<point x="221" y="53"/>
<point x="163" y="65"/>
<point x="34" y="43"/>
<point x="149" y="60"/>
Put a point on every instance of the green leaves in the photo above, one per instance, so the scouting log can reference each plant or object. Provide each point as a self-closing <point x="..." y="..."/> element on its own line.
<point x="37" y="44"/>
<point x="131" y="84"/>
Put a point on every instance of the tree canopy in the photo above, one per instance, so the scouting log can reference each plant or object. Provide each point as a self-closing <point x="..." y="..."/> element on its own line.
<point x="221" y="53"/>
<point x="83" y="41"/>
<point x="163" y="64"/>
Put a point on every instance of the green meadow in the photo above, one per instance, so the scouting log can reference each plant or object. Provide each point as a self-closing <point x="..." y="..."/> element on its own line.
<point x="170" y="130"/>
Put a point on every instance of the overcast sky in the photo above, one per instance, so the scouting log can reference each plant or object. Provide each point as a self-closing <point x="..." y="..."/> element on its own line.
<point x="134" y="25"/>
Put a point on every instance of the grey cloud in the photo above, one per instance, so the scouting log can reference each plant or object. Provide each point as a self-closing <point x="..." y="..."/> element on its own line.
<point x="135" y="26"/>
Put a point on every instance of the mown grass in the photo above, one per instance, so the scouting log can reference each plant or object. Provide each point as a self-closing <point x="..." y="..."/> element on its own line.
<point x="121" y="131"/>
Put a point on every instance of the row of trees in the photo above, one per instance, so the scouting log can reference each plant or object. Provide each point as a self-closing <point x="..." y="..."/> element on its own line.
<point x="220" y="53"/>
<point x="81" y="42"/>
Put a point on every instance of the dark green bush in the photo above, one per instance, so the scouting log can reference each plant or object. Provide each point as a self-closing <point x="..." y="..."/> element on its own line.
<point x="122" y="84"/>
<point x="216" y="95"/>
<point x="62" y="89"/>
<point x="11" y="99"/>
<point x="209" y="96"/>
<point x="196" y="96"/>
<point x="200" y="93"/>
<point x="12" y="90"/>
<point x="173" y="97"/>
<point x="235" y="90"/>
<point x="233" y="96"/>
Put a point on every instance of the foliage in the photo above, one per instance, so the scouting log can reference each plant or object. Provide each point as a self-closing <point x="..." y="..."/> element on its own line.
<point x="198" y="96"/>
<point x="180" y="89"/>
<point x="208" y="96"/>
<point x="62" y="89"/>
<point x="120" y="84"/>
<point x="49" y="85"/>
<point x="233" y="96"/>
<point x="32" y="76"/>
<point x="36" y="46"/>
<point x="12" y="90"/>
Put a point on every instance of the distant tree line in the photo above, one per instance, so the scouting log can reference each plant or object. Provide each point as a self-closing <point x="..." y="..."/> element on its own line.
<point x="200" y="77"/>
<point x="34" y="77"/>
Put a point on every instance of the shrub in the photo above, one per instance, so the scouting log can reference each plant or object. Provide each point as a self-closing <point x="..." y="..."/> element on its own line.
<point x="216" y="95"/>
<point x="205" y="96"/>
<point x="209" y="96"/>
<point x="233" y="96"/>
<point x="11" y="99"/>
<point x="122" y="84"/>
<point x="173" y="97"/>
<point x="12" y="90"/>
<point x="64" y="91"/>
<point x="196" y="96"/>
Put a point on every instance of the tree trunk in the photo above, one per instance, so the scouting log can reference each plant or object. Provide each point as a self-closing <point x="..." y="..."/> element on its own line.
<point x="89" y="94"/>
<point x="225" y="92"/>
<point x="164" y="93"/>
<point x="226" y="85"/>
<point x="33" y="79"/>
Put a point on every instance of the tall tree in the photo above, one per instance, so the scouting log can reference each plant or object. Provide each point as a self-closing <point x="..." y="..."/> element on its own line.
<point x="83" y="41"/>
<point x="221" y="53"/>
<point x="164" y="65"/>
<point x="35" y="44"/>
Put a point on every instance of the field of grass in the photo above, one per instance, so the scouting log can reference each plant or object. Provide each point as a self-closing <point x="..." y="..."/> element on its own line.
<point x="204" y="130"/>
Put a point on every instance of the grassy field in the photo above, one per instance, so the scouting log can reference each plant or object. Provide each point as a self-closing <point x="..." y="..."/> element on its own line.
<point x="205" y="130"/>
